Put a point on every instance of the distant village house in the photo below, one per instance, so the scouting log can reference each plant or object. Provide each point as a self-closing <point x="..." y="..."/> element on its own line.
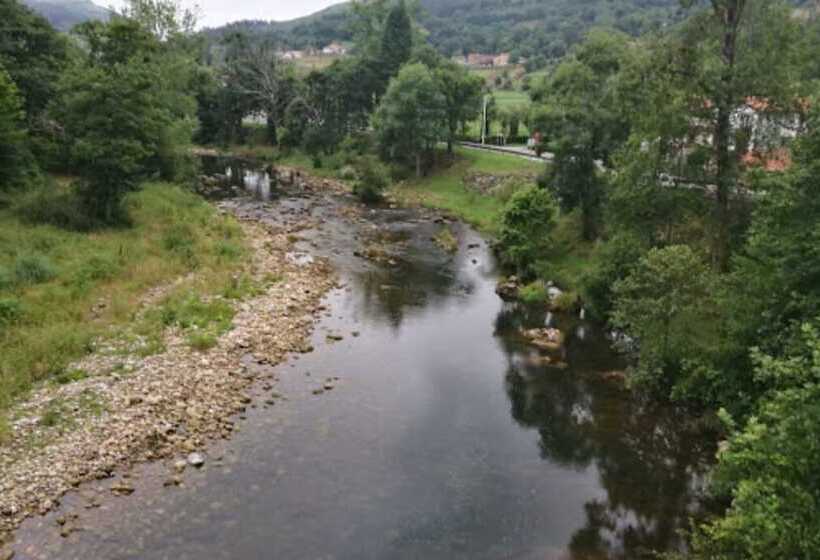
<point x="334" y="49"/>
<point x="478" y="60"/>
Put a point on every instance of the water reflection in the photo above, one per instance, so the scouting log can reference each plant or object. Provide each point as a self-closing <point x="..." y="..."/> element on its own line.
<point x="234" y="172"/>
<point x="650" y="463"/>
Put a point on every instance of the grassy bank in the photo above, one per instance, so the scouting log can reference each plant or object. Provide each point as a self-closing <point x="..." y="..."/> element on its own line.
<point x="569" y="258"/>
<point x="60" y="290"/>
<point x="445" y="188"/>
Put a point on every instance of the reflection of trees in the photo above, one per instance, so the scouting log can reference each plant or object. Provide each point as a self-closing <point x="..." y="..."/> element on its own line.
<point x="648" y="461"/>
<point x="389" y="293"/>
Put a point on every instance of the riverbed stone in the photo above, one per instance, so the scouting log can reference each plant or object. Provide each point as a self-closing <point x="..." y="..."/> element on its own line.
<point x="196" y="460"/>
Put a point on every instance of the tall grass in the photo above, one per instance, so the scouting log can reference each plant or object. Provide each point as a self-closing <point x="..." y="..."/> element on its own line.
<point x="62" y="289"/>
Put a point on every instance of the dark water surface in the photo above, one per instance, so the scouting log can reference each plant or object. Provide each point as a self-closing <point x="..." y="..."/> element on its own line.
<point x="442" y="439"/>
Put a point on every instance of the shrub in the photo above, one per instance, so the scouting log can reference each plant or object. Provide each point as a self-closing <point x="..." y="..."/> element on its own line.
<point x="47" y="204"/>
<point x="768" y="468"/>
<point x="526" y="224"/>
<point x="372" y="179"/>
<point x="667" y="303"/>
<point x="33" y="269"/>
<point x="10" y="311"/>
<point x="534" y="292"/>
<point x="614" y="261"/>
<point x="6" y="278"/>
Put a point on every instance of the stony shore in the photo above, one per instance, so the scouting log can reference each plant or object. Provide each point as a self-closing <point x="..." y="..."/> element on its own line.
<point x="167" y="406"/>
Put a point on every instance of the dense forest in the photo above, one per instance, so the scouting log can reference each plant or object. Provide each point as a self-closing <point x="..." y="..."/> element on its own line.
<point x="527" y="28"/>
<point x="685" y="170"/>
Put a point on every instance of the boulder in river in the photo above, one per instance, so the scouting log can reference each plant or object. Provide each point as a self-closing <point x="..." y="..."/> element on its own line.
<point x="545" y="339"/>
<point x="507" y="289"/>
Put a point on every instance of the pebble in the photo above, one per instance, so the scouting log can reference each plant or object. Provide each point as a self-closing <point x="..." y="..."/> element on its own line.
<point x="196" y="460"/>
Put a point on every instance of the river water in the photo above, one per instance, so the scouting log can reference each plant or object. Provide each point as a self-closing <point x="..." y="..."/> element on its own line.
<point x="442" y="438"/>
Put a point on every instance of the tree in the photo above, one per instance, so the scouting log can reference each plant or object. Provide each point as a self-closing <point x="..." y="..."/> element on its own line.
<point x="14" y="158"/>
<point x="33" y="54"/>
<point x="526" y="225"/>
<point x="397" y="40"/>
<point x="462" y="97"/>
<point x="410" y="118"/>
<point x="769" y="467"/>
<point x="123" y="110"/>
<point x="578" y="111"/>
<point x="267" y="83"/>
<point x="774" y="287"/>
<point x="709" y="70"/>
<point x="664" y="304"/>
<point x="164" y="19"/>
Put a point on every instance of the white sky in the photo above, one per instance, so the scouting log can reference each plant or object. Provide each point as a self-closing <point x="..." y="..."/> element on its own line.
<point x="218" y="12"/>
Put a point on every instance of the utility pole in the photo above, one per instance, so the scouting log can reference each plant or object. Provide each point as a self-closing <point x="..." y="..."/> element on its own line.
<point x="484" y="122"/>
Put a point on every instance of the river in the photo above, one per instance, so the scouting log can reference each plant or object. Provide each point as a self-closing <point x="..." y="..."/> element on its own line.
<point x="440" y="439"/>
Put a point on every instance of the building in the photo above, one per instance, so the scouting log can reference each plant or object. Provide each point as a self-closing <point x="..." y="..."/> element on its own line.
<point x="292" y="55"/>
<point x="477" y="60"/>
<point x="334" y="49"/>
<point x="502" y="60"/>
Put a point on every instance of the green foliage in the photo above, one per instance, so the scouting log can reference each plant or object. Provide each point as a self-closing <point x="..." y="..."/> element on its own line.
<point x="33" y="54"/>
<point x="534" y="292"/>
<point x="666" y="304"/>
<point x="33" y="269"/>
<point x="10" y="310"/>
<point x="526" y="225"/>
<point x="15" y="161"/>
<point x="583" y="120"/>
<point x="202" y="321"/>
<point x="372" y="178"/>
<point x="614" y="260"/>
<point x="409" y="119"/>
<point x="122" y="110"/>
<point x="397" y="40"/>
<point x="769" y="468"/>
<point x="46" y="325"/>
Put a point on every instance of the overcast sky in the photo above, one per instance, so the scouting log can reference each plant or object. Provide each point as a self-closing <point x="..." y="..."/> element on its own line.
<point x="218" y="12"/>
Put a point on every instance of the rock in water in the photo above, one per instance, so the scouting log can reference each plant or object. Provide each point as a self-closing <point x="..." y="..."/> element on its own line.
<point x="196" y="460"/>
<point x="508" y="289"/>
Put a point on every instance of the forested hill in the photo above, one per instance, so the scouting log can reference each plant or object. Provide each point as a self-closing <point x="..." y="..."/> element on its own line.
<point x="527" y="27"/>
<point x="65" y="14"/>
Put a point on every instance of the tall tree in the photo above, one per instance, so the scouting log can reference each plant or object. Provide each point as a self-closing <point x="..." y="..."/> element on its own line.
<point x="583" y="120"/>
<point x="732" y="53"/>
<point x="14" y="159"/>
<point x="410" y="118"/>
<point x="462" y="97"/>
<point x="33" y="54"/>
<point x="397" y="40"/>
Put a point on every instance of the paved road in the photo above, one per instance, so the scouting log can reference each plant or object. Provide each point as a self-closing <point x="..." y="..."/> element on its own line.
<point x="521" y="151"/>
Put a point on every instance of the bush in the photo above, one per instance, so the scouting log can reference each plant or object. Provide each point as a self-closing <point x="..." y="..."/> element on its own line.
<point x="33" y="269"/>
<point x="667" y="304"/>
<point x="48" y="204"/>
<point x="526" y="224"/>
<point x="769" y="468"/>
<point x="534" y="292"/>
<point x="10" y="311"/>
<point x="372" y="179"/>
<point x="614" y="261"/>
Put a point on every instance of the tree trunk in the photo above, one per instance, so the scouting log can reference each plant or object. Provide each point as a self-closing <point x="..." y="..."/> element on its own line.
<point x="273" y="140"/>
<point x="418" y="164"/>
<point x="730" y="14"/>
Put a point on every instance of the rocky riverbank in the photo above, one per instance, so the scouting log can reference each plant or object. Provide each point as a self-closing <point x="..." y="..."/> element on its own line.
<point x="167" y="406"/>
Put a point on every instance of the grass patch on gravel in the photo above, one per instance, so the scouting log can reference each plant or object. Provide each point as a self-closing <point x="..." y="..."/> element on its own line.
<point x="61" y="290"/>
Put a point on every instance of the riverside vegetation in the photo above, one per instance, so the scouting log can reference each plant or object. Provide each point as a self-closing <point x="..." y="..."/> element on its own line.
<point x="680" y="205"/>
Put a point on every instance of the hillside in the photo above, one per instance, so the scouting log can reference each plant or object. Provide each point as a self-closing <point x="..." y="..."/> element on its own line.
<point x="527" y="27"/>
<point x="65" y="14"/>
